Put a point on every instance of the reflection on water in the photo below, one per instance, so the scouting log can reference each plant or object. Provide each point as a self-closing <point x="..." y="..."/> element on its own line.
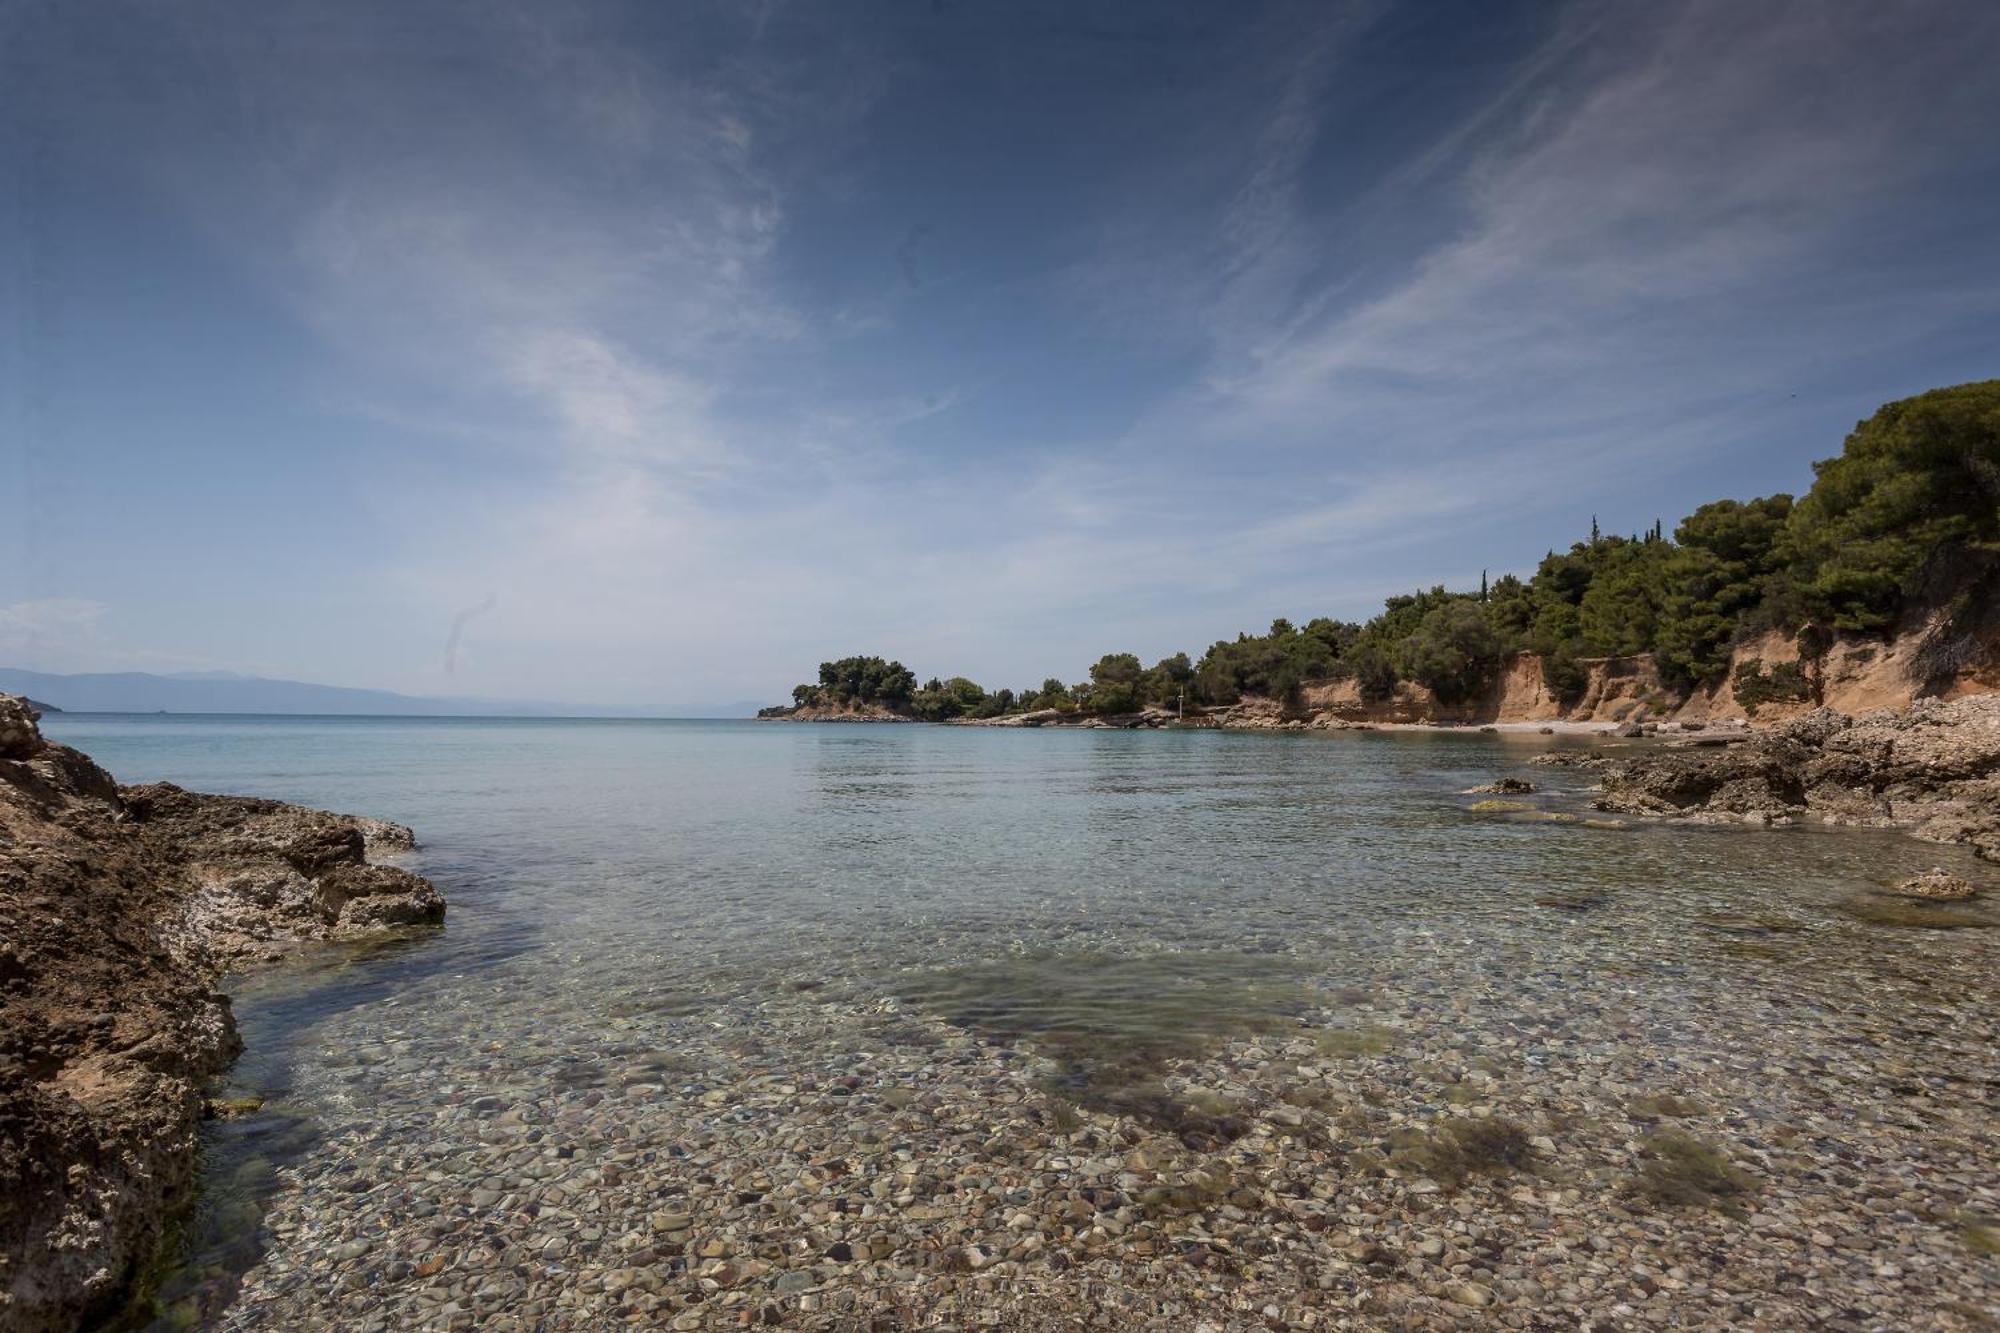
<point x="1111" y="900"/>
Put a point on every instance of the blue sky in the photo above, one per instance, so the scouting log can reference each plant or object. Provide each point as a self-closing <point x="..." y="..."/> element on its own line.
<point x="653" y="352"/>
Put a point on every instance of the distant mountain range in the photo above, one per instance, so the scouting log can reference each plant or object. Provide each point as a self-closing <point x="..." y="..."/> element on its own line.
<point x="223" y="692"/>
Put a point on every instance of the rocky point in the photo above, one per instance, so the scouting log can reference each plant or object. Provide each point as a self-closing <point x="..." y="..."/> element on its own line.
<point x="119" y="907"/>
<point x="1933" y="768"/>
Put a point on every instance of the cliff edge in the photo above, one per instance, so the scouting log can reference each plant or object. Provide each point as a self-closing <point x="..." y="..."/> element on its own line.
<point x="119" y="906"/>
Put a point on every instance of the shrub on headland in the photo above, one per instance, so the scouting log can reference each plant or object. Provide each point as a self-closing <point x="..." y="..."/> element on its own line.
<point x="1907" y="518"/>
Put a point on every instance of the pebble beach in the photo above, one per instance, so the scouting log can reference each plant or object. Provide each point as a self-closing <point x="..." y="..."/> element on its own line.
<point x="833" y="1163"/>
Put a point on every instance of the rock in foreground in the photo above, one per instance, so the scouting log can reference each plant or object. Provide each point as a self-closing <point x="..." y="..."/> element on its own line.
<point x="118" y="907"/>
<point x="1933" y="768"/>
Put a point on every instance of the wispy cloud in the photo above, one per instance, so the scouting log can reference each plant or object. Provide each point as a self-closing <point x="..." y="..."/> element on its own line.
<point x="611" y="404"/>
<point x="1640" y="220"/>
<point x="554" y="232"/>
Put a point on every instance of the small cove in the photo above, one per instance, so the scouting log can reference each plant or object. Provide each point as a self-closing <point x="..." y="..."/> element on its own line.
<point x="658" y="927"/>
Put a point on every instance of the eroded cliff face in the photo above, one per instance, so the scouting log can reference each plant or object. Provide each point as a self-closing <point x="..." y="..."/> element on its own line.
<point x="118" y="908"/>
<point x="1617" y="689"/>
<point x="1856" y="675"/>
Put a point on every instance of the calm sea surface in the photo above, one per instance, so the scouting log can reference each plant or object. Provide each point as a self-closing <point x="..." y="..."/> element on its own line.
<point x="1141" y="891"/>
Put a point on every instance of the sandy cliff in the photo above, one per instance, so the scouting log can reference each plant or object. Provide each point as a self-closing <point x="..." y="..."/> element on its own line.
<point x="118" y="908"/>
<point x="1855" y="675"/>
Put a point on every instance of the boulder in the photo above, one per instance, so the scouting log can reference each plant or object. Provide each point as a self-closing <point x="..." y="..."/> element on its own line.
<point x="20" y="738"/>
<point x="1816" y="727"/>
<point x="367" y="898"/>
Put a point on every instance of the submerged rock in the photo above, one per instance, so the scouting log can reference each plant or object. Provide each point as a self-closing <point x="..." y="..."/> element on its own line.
<point x="120" y="905"/>
<point x="1937" y="883"/>
<point x="1502" y="787"/>
<point x="1570" y="759"/>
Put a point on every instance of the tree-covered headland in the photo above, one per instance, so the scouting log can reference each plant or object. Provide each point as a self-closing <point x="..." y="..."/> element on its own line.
<point x="1903" y="524"/>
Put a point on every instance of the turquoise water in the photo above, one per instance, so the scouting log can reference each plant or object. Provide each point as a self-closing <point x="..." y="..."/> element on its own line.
<point x="1114" y="897"/>
<point x="765" y="846"/>
<point x="777" y="843"/>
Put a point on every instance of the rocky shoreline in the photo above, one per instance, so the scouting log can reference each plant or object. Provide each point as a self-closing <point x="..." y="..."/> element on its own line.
<point x="120" y="906"/>
<point x="1933" y="769"/>
<point x="1270" y="715"/>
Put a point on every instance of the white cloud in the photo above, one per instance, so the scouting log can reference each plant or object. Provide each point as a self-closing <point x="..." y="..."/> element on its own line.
<point x="49" y="626"/>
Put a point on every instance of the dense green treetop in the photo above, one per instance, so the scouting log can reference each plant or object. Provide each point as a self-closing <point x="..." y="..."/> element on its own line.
<point x="1911" y="508"/>
<point x="1905" y="522"/>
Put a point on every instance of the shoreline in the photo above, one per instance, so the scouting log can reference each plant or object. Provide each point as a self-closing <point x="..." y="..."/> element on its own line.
<point x="1168" y="722"/>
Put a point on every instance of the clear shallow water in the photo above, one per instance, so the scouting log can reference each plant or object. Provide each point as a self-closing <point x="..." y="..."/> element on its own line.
<point x="1112" y="898"/>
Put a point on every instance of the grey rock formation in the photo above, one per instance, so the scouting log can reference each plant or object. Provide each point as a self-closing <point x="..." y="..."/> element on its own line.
<point x="1933" y="768"/>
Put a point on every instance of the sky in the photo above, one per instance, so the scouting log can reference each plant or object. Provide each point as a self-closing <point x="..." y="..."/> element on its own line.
<point x="652" y="353"/>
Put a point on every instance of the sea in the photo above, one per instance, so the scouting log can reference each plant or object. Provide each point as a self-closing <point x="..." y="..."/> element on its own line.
<point x="1121" y="899"/>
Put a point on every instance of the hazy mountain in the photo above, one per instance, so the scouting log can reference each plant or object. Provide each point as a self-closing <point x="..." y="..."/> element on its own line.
<point x="224" y="692"/>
